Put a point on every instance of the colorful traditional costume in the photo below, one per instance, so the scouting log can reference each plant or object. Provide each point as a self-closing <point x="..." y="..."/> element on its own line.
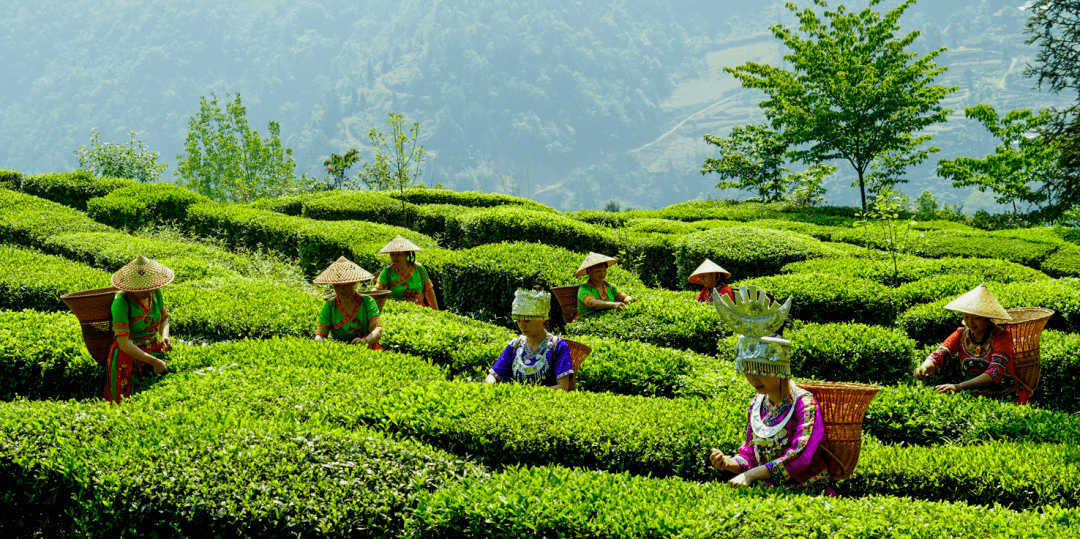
<point x="993" y="356"/>
<point x="545" y="364"/>
<point x="409" y="287"/>
<point x="587" y="292"/>
<point x="337" y="322"/>
<point x="785" y="437"/>
<point x="141" y="324"/>
<point x="707" y="295"/>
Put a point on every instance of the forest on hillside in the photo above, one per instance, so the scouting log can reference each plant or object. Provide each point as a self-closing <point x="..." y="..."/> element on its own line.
<point x="572" y="104"/>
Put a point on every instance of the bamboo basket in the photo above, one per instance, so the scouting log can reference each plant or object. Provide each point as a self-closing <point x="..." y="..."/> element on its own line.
<point x="578" y="353"/>
<point x="378" y="295"/>
<point x="1026" y="327"/>
<point x="843" y="406"/>
<point x="93" y="308"/>
<point x="567" y="296"/>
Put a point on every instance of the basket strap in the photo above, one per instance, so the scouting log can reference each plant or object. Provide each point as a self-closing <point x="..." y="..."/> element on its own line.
<point x="839" y="462"/>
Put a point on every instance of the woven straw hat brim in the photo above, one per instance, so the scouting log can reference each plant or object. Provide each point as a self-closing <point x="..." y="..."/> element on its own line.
<point x="708" y="266"/>
<point x="141" y="275"/>
<point x="343" y="271"/>
<point x="980" y="302"/>
<point x="592" y="260"/>
<point x="399" y="245"/>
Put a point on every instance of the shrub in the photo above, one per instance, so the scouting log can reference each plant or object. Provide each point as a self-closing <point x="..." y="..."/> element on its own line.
<point x="659" y="226"/>
<point x="71" y="189"/>
<point x="1059" y="387"/>
<point x="667" y="319"/>
<point x="240" y="308"/>
<point x="1065" y="262"/>
<point x="29" y="220"/>
<point x="32" y="280"/>
<point x="930" y="323"/>
<point x="467" y="198"/>
<point x="914" y="268"/>
<point x="143" y="204"/>
<point x="745" y="251"/>
<point x="42" y="357"/>
<point x="599" y="217"/>
<point x="952" y="243"/>
<point x="552" y="502"/>
<point x="370" y="206"/>
<point x="851" y="353"/>
<point x="495" y="225"/>
<point x="823" y="298"/>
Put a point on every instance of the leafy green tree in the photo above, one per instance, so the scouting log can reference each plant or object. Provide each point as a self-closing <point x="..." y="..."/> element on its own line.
<point x="750" y="159"/>
<point x="926" y="205"/>
<point x="804" y="187"/>
<point x="337" y="166"/>
<point x="888" y="230"/>
<point x="132" y="161"/>
<point x="1022" y="168"/>
<point x="397" y="159"/>
<point x="1054" y="27"/>
<point x="852" y="92"/>
<point x="226" y="160"/>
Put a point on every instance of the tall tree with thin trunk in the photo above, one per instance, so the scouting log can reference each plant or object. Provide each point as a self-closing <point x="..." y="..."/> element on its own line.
<point x="852" y="92"/>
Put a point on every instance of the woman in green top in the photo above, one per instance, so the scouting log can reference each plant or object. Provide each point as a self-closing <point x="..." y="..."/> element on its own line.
<point x="140" y="325"/>
<point x="348" y="316"/>
<point x="597" y="294"/>
<point x="404" y="277"/>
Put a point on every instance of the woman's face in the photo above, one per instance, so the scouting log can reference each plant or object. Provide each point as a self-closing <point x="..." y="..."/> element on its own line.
<point x="532" y="328"/>
<point x="142" y="295"/>
<point x="597" y="273"/>
<point x="344" y="289"/>
<point x="976" y="323"/>
<point x="764" y="384"/>
<point x="709" y="280"/>
<point x="399" y="259"/>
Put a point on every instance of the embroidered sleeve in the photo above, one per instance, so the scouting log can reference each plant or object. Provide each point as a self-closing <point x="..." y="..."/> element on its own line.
<point x="803" y="443"/>
<point x="383" y="282"/>
<point x="619" y="296"/>
<point x="746" y="458"/>
<point x="374" y="316"/>
<point x="160" y="299"/>
<point x="703" y="295"/>
<point x="561" y="360"/>
<point x="586" y="294"/>
<point x="725" y="289"/>
<point x="323" y="327"/>
<point x="1001" y="358"/>
<point x="501" y="369"/>
<point x="426" y="285"/>
<point x="947" y="349"/>
<point x="120" y="316"/>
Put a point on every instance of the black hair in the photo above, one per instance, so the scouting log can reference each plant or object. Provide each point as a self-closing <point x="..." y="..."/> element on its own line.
<point x="411" y="257"/>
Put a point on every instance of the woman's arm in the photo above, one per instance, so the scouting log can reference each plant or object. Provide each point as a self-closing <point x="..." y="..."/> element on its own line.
<point x="129" y="348"/>
<point x="429" y="295"/>
<point x="604" y="305"/>
<point x="981" y="380"/>
<point x="562" y="383"/>
<point x="374" y="336"/>
<point x="751" y="476"/>
<point x="166" y="342"/>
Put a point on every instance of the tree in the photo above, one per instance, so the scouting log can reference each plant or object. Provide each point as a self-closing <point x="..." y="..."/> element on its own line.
<point x="750" y="158"/>
<point x="887" y="230"/>
<point x="804" y="187"/>
<point x="337" y="166"/>
<point x="1054" y="26"/>
<point x="397" y="162"/>
<point x="225" y="160"/>
<point x="132" y="161"/>
<point x="1022" y="168"/>
<point x="853" y="93"/>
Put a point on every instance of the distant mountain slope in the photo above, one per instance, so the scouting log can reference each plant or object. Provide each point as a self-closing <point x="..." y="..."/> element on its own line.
<point x="571" y="103"/>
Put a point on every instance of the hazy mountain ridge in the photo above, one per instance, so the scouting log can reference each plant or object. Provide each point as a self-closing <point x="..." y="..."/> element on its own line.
<point x="573" y="103"/>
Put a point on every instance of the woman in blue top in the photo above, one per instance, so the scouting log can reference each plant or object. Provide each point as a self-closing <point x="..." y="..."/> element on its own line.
<point x="536" y="356"/>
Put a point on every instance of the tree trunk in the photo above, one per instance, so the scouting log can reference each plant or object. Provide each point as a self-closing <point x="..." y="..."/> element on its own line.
<point x="862" y="189"/>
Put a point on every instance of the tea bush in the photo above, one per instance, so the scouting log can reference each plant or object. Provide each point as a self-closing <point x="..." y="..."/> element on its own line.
<point x="508" y="223"/>
<point x="824" y="298"/>
<point x="32" y="280"/>
<point x="71" y="189"/>
<point x="139" y="205"/>
<point x="745" y="251"/>
<point x="465" y="198"/>
<point x="912" y="269"/>
<point x="42" y="356"/>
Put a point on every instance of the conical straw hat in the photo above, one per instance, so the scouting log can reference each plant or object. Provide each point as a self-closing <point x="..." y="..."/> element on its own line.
<point x="592" y="260"/>
<point x="142" y="274"/>
<point x="399" y="245"/>
<point x="980" y="302"/>
<point x="343" y="271"/>
<point x="708" y="266"/>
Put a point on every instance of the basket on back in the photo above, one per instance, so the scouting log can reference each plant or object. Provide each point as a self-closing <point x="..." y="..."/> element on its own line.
<point x="567" y="296"/>
<point x="93" y="308"/>
<point x="1026" y="326"/>
<point x="378" y="295"/>
<point x="843" y="406"/>
<point x="578" y="353"/>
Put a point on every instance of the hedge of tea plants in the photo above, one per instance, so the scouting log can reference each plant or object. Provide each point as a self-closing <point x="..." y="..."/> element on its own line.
<point x="262" y="431"/>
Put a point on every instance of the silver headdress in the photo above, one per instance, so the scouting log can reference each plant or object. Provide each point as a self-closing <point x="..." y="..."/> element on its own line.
<point x="531" y="305"/>
<point x="754" y="316"/>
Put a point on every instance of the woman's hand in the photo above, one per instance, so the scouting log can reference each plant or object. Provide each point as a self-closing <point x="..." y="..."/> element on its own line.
<point x="928" y="368"/>
<point x="617" y="305"/>
<point x="629" y="299"/>
<point x="722" y="462"/>
<point x="159" y="366"/>
<point x="741" y="480"/>
<point x="358" y="340"/>
<point x="166" y="344"/>
<point x="947" y="388"/>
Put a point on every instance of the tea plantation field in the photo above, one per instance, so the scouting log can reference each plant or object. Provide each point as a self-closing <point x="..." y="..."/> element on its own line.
<point x="258" y="431"/>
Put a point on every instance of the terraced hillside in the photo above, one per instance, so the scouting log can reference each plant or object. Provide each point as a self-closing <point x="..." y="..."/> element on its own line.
<point x="260" y="431"/>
